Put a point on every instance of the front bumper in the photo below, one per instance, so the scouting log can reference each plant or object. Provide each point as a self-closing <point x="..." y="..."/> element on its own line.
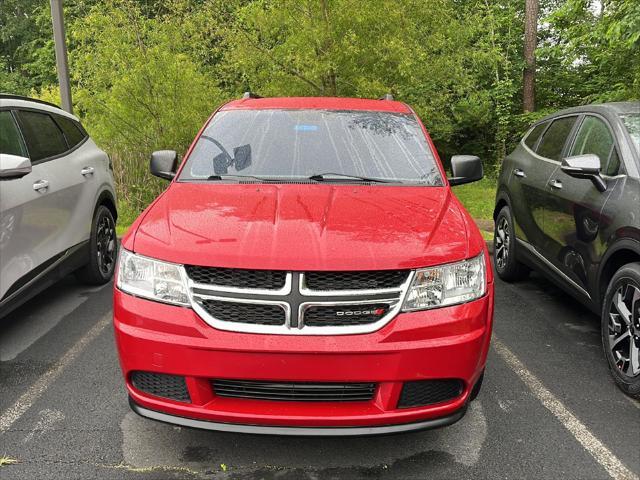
<point x="298" y="431"/>
<point x="446" y="343"/>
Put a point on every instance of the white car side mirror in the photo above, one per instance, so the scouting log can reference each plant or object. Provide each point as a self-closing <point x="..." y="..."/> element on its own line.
<point x="13" y="166"/>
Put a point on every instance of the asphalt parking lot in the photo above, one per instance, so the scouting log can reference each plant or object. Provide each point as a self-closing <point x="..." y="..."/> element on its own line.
<point x="548" y="408"/>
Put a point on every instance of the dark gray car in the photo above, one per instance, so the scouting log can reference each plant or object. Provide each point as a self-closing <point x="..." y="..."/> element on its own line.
<point x="568" y="205"/>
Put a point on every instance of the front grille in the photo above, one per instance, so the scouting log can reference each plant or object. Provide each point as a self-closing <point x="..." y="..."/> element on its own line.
<point x="161" y="385"/>
<point x="427" y="392"/>
<point x="237" y="278"/>
<point x="344" y="315"/>
<point x="255" y="314"/>
<point x="294" y="392"/>
<point x="297" y="303"/>
<point x="360" y="280"/>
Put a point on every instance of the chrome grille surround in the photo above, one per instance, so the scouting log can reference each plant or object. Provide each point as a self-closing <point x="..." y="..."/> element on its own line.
<point x="295" y="298"/>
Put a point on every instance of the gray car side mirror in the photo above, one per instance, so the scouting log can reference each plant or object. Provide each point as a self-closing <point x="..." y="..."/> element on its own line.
<point x="13" y="166"/>
<point x="466" y="169"/>
<point x="164" y="164"/>
<point x="585" y="166"/>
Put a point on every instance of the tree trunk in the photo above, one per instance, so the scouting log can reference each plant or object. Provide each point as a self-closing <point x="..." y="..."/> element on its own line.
<point x="329" y="79"/>
<point x="530" y="41"/>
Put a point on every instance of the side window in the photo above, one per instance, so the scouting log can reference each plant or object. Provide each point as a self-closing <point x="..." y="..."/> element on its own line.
<point x="613" y="167"/>
<point x="71" y="130"/>
<point x="10" y="140"/>
<point x="595" y="137"/>
<point x="555" y="137"/>
<point x="43" y="137"/>
<point x="534" y="135"/>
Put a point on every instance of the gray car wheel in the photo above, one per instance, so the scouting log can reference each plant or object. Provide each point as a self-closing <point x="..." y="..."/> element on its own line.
<point x="506" y="264"/>
<point x="103" y="249"/>
<point x="620" y="328"/>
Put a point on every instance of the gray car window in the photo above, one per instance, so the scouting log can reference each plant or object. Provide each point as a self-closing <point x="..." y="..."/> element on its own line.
<point x="632" y="122"/>
<point x="295" y="144"/>
<point x="70" y="129"/>
<point x="595" y="137"/>
<point x="10" y="140"/>
<point x="43" y="137"/>
<point x="555" y="137"/>
<point x="534" y="135"/>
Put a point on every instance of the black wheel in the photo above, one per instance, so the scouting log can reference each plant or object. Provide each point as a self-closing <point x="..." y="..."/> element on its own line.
<point x="620" y="328"/>
<point x="507" y="266"/>
<point x="103" y="249"/>
<point x="476" y="388"/>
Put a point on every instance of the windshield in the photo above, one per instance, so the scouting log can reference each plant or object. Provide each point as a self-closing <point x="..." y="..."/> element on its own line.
<point x="632" y="122"/>
<point x="297" y="144"/>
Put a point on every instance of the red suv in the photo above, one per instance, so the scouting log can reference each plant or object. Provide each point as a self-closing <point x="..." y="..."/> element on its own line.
<point x="307" y="272"/>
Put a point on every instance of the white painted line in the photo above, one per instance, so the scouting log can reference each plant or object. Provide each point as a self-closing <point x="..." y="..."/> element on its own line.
<point x="614" y="467"/>
<point x="36" y="390"/>
<point x="635" y="403"/>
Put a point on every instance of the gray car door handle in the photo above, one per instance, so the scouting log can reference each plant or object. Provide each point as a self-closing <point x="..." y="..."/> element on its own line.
<point x="40" y="185"/>
<point x="519" y="173"/>
<point x="87" y="171"/>
<point x="557" y="184"/>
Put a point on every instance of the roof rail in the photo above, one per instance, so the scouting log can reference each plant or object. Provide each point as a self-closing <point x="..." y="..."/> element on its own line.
<point x="250" y="95"/>
<point x="9" y="96"/>
<point x="386" y="96"/>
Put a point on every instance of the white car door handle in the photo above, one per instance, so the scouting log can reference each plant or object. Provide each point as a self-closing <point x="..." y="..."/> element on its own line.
<point x="557" y="184"/>
<point x="40" y="185"/>
<point x="87" y="171"/>
<point x="519" y="173"/>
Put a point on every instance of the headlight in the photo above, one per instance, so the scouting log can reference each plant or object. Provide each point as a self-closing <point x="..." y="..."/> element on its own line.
<point x="153" y="279"/>
<point x="447" y="284"/>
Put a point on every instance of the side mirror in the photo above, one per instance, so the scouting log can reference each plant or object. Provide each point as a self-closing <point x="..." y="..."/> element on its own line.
<point x="466" y="169"/>
<point x="164" y="164"/>
<point x="13" y="166"/>
<point x="585" y="166"/>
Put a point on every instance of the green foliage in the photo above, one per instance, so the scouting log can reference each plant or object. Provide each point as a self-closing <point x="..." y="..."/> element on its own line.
<point x="147" y="73"/>
<point x="138" y="89"/>
<point x="595" y="49"/>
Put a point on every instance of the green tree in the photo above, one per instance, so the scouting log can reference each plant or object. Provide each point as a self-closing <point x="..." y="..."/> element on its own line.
<point x="139" y="89"/>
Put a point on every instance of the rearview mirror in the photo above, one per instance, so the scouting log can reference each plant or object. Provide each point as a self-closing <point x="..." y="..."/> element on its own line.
<point x="164" y="164"/>
<point x="242" y="157"/>
<point x="585" y="166"/>
<point x="466" y="169"/>
<point x="13" y="166"/>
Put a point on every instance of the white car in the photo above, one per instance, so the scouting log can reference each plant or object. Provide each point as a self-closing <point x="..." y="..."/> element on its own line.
<point x="57" y="201"/>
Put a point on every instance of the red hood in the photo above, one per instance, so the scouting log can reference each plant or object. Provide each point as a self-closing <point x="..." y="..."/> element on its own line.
<point x="304" y="227"/>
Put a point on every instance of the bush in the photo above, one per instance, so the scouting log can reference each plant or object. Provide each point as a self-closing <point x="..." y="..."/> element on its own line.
<point x="138" y="89"/>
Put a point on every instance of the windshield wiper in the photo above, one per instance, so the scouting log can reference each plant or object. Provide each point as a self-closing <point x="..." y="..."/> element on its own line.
<point x="343" y="177"/>
<point x="242" y="177"/>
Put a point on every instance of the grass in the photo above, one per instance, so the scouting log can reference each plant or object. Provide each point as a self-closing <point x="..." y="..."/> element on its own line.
<point x="126" y="216"/>
<point x="478" y="198"/>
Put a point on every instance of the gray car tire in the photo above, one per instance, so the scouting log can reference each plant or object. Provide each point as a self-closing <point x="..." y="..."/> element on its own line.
<point x="618" y="321"/>
<point x="505" y="262"/>
<point x="103" y="246"/>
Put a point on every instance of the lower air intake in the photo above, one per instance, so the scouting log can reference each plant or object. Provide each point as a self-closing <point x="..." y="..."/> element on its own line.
<point x="427" y="392"/>
<point x="295" y="392"/>
<point x="172" y="387"/>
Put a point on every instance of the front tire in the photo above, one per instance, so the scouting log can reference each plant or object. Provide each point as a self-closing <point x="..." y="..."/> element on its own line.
<point x="620" y="328"/>
<point x="507" y="266"/>
<point x="103" y="249"/>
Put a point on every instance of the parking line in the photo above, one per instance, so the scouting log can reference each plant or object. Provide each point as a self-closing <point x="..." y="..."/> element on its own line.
<point x="612" y="464"/>
<point x="36" y="390"/>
